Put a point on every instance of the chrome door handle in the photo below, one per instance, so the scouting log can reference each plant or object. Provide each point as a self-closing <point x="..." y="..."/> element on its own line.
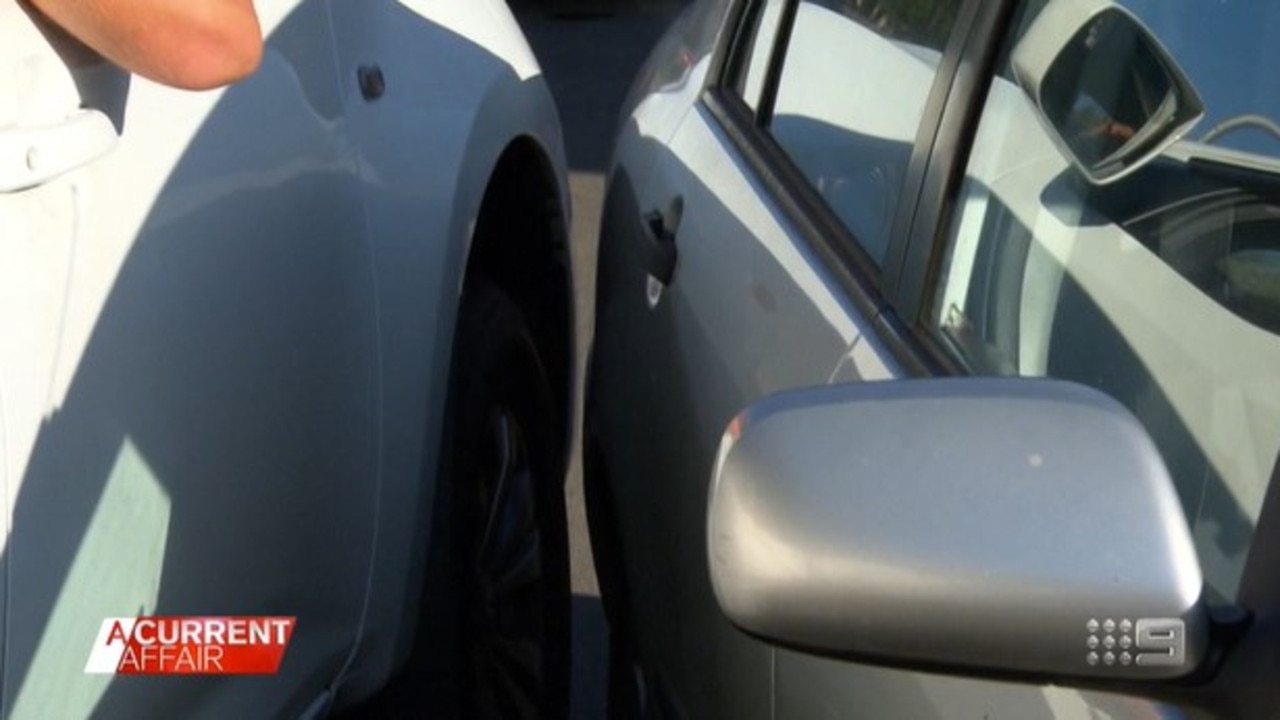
<point x="31" y="156"/>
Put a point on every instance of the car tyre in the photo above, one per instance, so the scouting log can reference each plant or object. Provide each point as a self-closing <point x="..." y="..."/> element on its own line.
<point x="509" y="533"/>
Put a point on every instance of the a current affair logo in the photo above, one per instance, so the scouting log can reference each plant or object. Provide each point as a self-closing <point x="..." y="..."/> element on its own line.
<point x="190" y="646"/>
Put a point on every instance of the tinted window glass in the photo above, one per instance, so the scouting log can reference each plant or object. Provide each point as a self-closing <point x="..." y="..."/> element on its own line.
<point x="852" y="93"/>
<point x="1161" y="289"/>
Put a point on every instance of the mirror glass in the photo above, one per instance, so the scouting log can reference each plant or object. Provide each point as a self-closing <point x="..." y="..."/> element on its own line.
<point x="1108" y="93"/>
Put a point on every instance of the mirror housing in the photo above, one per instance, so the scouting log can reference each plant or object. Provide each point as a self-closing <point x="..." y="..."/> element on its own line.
<point x="1002" y="524"/>
<point x="1109" y="94"/>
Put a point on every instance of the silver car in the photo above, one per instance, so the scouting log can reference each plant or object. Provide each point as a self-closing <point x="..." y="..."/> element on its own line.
<point x="936" y="368"/>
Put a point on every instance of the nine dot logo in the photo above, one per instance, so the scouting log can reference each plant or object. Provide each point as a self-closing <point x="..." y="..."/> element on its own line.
<point x="1144" y="642"/>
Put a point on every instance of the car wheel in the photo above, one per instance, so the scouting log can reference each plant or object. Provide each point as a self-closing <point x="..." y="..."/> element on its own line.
<point x="508" y="516"/>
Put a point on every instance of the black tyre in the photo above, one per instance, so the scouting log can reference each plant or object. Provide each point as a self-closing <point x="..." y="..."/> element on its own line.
<point x="506" y="508"/>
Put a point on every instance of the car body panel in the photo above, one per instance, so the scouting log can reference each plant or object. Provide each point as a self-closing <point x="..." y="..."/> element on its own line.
<point x="422" y="199"/>
<point x="666" y="378"/>
<point x="227" y="342"/>
<point x="189" y="459"/>
<point x="751" y="290"/>
<point x="814" y="687"/>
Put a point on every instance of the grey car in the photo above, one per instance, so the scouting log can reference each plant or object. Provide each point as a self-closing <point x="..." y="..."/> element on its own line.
<point x="936" y="368"/>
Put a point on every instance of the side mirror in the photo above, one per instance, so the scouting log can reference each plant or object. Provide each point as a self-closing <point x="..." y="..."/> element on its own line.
<point x="1109" y="94"/>
<point x="1010" y="525"/>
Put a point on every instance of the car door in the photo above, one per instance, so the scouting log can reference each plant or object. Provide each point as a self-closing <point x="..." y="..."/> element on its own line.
<point x="776" y="205"/>
<point x="192" y="428"/>
<point x="902" y="163"/>
<point x="1015" y="265"/>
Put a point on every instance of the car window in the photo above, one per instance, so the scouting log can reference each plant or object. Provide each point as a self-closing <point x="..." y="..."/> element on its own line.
<point x="1161" y="289"/>
<point x="850" y="99"/>
<point x="756" y="51"/>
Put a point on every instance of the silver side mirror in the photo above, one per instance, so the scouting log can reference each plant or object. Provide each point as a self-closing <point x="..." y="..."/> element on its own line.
<point x="1109" y="94"/>
<point x="1011" y="525"/>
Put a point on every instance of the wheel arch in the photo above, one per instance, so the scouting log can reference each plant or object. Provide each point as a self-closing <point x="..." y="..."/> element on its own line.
<point x="520" y="242"/>
<point x="510" y="163"/>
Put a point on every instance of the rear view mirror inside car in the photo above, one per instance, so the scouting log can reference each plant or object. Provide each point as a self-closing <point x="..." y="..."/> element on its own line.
<point x="1110" y="95"/>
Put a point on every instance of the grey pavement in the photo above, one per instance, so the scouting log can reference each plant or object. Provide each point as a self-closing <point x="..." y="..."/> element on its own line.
<point x="589" y="51"/>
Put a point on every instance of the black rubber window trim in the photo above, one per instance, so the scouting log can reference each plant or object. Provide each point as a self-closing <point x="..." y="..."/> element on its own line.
<point x="727" y="56"/>
<point x="929" y="238"/>
<point x="741" y="42"/>
<point x="928" y="233"/>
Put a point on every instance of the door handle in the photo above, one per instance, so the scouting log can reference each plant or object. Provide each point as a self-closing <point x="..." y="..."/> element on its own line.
<point x="660" y="252"/>
<point x="34" y="156"/>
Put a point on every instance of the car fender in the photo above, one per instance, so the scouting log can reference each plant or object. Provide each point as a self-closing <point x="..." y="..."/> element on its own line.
<point x="462" y="126"/>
